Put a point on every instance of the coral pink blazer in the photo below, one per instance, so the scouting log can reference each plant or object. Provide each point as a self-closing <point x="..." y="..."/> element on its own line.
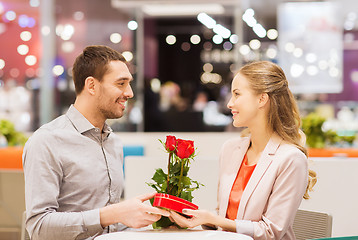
<point x="274" y="192"/>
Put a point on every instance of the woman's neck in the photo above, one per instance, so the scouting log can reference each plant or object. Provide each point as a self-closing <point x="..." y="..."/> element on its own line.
<point x="259" y="138"/>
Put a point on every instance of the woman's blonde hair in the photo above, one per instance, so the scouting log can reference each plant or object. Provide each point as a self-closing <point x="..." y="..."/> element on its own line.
<point x="283" y="117"/>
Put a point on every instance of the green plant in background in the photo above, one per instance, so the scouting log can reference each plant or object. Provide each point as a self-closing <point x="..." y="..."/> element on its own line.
<point x="13" y="137"/>
<point x="316" y="137"/>
<point x="312" y="127"/>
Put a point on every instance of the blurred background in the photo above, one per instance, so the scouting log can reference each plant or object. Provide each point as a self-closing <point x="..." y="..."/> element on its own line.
<point x="183" y="56"/>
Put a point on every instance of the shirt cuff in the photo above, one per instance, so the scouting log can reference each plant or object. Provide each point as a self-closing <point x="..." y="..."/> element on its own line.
<point x="245" y="227"/>
<point x="92" y="222"/>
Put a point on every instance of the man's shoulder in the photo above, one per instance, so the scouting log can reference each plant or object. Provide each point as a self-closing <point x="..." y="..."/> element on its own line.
<point x="51" y="128"/>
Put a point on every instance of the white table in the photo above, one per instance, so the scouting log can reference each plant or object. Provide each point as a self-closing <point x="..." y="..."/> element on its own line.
<point x="173" y="235"/>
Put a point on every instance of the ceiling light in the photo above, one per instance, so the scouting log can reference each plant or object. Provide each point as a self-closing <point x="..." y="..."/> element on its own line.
<point x="182" y="9"/>
<point x="259" y="30"/>
<point x="205" y="19"/>
<point x="195" y="39"/>
<point x="115" y="37"/>
<point x="272" y="34"/>
<point x="244" y="49"/>
<point x="255" y="44"/>
<point x="128" y="55"/>
<point x="34" y="3"/>
<point x="22" y="49"/>
<point x="10" y="15"/>
<point x="234" y="39"/>
<point x="2" y="63"/>
<point x="132" y="25"/>
<point x="58" y="70"/>
<point x="30" y="60"/>
<point x="227" y="45"/>
<point x="170" y="39"/>
<point x="217" y="39"/>
<point x="208" y="67"/>
<point x="222" y="31"/>
<point x="25" y="36"/>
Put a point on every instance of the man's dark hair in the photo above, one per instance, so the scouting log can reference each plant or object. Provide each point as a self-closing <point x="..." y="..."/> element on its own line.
<point x="93" y="61"/>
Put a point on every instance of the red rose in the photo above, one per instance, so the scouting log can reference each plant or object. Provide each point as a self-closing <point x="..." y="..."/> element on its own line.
<point x="171" y="143"/>
<point x="185" y="148"/>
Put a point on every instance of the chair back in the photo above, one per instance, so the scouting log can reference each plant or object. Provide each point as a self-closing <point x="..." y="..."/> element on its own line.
<point x="312" y="224"/>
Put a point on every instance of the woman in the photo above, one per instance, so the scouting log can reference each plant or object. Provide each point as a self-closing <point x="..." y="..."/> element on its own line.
<point x="263" y="173"/>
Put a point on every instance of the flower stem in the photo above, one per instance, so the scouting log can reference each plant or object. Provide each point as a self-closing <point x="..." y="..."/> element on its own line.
<point x="180" y="177"/>
<point x="170" y="157"/>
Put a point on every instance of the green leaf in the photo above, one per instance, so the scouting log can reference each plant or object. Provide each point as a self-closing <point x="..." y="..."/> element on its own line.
<point x="163" y="222"/>
<point x="164" y="187"/>
<point x="159" y="176"/>
<point x="186" y="195"/>
<point x="176" y="168"/>
<point x="186" y="181"/>
<point x="156" y="187"/>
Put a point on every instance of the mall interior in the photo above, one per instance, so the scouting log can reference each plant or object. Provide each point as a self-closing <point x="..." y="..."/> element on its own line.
<point x="183" y="55"/>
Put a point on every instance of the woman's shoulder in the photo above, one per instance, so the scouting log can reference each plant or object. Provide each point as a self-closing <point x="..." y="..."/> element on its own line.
<point x="290" y="149"/>
<point x="235" y="141"/>
<point x="289" y="154"/>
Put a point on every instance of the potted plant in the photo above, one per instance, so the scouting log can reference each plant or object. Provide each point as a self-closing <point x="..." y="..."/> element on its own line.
<point x="13" y="137"/>
<point x="174" y="188"/>
<point x="316" y="137"/>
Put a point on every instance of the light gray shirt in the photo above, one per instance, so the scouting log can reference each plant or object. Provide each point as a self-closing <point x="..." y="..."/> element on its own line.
<point x="72" y="169"/>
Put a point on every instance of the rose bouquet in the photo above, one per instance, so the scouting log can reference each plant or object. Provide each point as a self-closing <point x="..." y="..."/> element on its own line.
<point x="176" y="181"/>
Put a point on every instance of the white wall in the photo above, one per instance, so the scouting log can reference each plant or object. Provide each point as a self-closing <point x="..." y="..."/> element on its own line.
<point x="336" y="193"/>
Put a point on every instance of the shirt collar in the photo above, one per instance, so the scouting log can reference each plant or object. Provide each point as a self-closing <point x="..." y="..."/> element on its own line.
<point x="81" y="123"/>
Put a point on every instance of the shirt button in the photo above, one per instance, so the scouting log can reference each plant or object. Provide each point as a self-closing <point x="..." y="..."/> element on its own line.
<point x="96" y="129"/>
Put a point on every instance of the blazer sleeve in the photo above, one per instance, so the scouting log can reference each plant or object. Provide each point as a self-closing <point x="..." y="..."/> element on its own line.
<point x="286" y="195"/>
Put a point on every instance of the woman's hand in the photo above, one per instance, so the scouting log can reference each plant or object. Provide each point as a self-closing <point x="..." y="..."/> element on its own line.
<point x="199" y="217"/>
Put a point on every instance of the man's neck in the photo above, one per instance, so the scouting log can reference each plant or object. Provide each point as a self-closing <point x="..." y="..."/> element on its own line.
<point x="89" y="112"/>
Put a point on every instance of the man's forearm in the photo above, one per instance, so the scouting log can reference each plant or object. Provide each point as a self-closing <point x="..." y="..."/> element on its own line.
<point x="64" y="225"/>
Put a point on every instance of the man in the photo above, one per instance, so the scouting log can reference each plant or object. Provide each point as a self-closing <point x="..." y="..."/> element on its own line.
<point x="73" y="165"/>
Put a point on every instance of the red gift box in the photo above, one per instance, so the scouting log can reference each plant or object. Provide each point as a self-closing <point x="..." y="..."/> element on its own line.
<point x="171" y="202"/>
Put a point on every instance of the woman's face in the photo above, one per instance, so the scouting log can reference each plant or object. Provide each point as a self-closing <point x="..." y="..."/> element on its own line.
<point x="244" y="103"/>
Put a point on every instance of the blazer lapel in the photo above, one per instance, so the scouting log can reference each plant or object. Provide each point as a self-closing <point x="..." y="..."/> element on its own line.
<point x="235" y="163"/>
<point x="261" y="167"/>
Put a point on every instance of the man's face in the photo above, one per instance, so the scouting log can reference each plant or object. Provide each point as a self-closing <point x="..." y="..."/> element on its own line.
<point x="115" y="90"/>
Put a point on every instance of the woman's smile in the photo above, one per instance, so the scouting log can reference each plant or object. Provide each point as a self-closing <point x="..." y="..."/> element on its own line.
<point x="234" y="113"/>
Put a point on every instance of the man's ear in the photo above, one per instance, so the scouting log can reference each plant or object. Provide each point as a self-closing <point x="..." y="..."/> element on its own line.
<point x="90" y="85"/>
<point x="264" y="99"/>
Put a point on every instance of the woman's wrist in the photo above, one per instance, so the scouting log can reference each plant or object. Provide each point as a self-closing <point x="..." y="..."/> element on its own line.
<point x="224" y="223"/>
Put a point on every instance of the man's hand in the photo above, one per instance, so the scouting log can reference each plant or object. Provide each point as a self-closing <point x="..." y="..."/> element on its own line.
<point x="132" y="213"/>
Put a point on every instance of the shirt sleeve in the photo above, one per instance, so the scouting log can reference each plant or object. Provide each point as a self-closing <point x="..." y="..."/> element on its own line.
<point x="43" y="177"/>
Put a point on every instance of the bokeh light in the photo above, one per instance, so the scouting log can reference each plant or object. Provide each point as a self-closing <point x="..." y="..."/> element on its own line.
<point x="132" y="25"/>
<point x="115" y="38"/>
<point x="170" y="39"/>
<point x="23" y="49"/>
<point x="30" y="60"/>
<point x="128" y="55"/>
<point x="25" y="36"/>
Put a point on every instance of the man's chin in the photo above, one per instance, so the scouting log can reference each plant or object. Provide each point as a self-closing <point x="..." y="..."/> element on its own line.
<point x="115" y="115"/>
